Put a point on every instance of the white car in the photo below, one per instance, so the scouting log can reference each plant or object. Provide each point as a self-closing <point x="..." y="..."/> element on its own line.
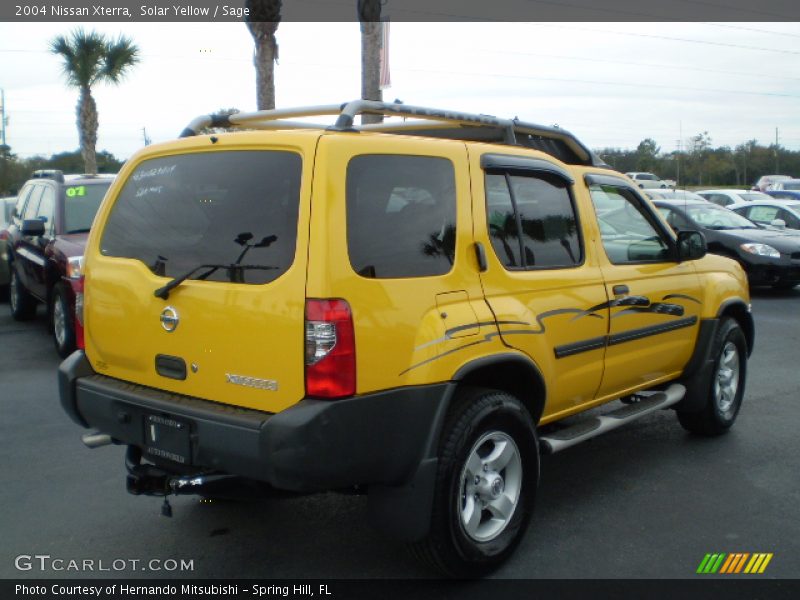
<point x="684" y="195"/>
<point x="766" y="181"/>
<point x="778" y="213"/>
<point x="647" y="180"/>
<point x="786" y="184"/>
<point x="726" y="197"/>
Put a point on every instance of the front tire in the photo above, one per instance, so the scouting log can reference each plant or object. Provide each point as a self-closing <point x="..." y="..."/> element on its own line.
<point x="62" y="322"/>
<point x="22" y="304"/>
<point x="488" y="472"/>
<point x="726" y="390"/>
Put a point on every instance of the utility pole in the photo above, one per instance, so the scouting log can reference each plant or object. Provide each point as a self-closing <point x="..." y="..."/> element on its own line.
<point x="147" y="140"/>
<point x="777" y="162"/>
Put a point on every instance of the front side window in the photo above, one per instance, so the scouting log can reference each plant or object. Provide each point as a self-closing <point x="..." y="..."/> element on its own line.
<point x="236" y="209"/>
<point x="532" y="221"/>
<point x="32" y="207"/>
<point x="47" y="208"/>
<point x="21" y="199"/>
<point x="628" y="235"/>
<point x="401" y="215"/>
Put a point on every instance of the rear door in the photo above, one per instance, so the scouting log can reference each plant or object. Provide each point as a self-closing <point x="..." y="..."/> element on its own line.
<point x="233" y="334"/>
<point x="392" y="234"/>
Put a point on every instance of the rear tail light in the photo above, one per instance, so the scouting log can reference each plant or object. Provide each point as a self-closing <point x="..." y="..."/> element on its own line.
<point x="77" y="287"/>
<point x="330" y="349"/>
<point x="75" y="275"/>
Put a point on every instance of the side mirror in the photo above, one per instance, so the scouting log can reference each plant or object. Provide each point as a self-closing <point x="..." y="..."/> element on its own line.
<point x="691" y="245"/>
<point x="779" y="223"/>
<point x="33" y="227"/>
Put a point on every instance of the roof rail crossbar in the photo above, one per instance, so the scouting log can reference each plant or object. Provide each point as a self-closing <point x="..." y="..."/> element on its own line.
<point x="511" y="129"/>
<point x="253" y="119"/>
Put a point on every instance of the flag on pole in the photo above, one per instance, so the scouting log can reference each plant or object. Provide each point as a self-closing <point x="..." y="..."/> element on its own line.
<point x="385" y="77"/>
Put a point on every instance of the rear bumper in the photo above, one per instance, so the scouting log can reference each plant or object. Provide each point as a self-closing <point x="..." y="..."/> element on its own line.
<point x="316" y="445"/>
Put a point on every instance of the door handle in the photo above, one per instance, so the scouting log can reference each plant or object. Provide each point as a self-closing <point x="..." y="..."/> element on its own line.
<point x="480" y="255"/>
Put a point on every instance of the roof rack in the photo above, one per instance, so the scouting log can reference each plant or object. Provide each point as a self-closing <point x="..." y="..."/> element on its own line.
<point x="429" y="122"/>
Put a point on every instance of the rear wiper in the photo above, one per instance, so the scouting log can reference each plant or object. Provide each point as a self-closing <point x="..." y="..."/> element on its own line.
<point x="84" y="230"/>
<point x="233" y="268"/>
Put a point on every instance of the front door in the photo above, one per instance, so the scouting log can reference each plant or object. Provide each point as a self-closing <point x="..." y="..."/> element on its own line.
<point x="654" y="300"/>
<point x="544" y="288"/>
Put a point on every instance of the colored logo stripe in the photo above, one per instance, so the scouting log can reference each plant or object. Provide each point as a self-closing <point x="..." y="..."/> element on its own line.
<point x="737" y="562"/>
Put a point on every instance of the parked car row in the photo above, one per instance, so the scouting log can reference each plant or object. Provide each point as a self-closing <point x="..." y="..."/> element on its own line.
<point x="758" y="231"/>
<point x="42" y="246"/>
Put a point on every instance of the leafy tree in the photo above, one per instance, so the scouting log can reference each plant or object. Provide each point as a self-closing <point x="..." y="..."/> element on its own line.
<point x="88" y="59"/>
<point x="647" y="155"/>
<point x="263" y="20"/>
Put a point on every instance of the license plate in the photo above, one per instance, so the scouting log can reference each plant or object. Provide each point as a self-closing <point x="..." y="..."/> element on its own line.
<point x="167" y="438"/>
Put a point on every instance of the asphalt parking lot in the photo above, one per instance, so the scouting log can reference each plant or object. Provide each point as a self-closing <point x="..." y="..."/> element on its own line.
<point x="646" y="501"/>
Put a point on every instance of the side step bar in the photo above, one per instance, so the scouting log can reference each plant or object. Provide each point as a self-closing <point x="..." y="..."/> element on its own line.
<point x="580" y="432"/>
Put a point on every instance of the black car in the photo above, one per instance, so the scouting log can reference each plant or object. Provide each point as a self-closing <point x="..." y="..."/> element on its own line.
<point x="46" y="239"/>
<point x="770" y="257"/>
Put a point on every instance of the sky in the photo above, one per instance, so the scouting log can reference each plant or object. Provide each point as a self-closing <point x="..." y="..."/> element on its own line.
<point x="611" y="84"/>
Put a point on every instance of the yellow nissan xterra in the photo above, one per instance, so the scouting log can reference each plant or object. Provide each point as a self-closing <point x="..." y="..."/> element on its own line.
<point x="407" y="309"/>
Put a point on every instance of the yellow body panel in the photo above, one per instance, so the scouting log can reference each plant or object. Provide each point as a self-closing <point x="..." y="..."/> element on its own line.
<point x="409" y="331"/>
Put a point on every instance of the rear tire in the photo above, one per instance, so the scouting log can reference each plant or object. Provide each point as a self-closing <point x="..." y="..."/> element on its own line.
<point x="726" y="390"/>
<point x="62" y="321"/>
<point x="487" y="475"/>
<point x="22" y="304"/>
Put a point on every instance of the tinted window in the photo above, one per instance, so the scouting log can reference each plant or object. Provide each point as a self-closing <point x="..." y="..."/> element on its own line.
<point x="541" y="209"/>
<point x="23" y="196"/>
<point x="503" y="229"/>
<point x="628" y="233"/>
<point x="47" y="208"/>
<point x="401" y="215"/>
<point x="32" y="207"/>
<point x="231" y="208"/>
<point x="80" y="205"/>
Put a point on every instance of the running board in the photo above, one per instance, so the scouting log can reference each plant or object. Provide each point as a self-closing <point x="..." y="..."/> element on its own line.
<point x="594" y="426"/>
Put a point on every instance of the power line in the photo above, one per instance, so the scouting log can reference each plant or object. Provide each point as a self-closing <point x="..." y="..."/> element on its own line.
<point x="667" y="38"/>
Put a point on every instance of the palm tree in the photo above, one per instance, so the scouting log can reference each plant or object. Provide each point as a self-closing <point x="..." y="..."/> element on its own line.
<point x="263" y="20"/>
<point x="90" y="58"/>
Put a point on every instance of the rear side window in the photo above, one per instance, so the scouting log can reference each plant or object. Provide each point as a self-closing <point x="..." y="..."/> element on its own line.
<point x="80" y="205"/>
<point x="401" y="215"/>
<point x="236" y="209"/>
<point x="532" y="221"/>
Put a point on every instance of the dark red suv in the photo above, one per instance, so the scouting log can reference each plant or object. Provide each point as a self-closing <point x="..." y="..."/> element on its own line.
<point x="46" y="239"/>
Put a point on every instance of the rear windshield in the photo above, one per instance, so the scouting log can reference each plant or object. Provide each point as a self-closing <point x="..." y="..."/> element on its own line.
<point x="235" y="209"/>
<point x="81" y="203"/>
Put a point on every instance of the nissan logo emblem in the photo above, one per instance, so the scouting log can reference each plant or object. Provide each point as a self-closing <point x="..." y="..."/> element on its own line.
<point x="169" y="319"/>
